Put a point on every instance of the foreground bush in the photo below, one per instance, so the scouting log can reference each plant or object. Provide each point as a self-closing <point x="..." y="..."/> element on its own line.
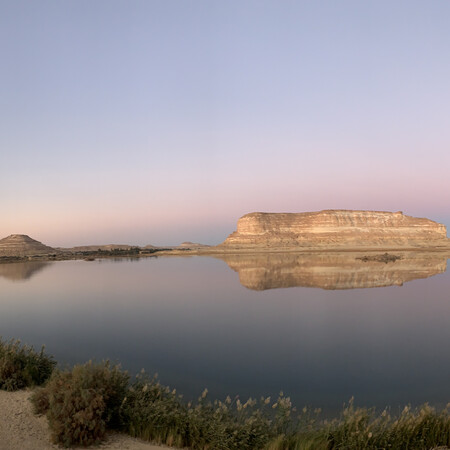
<point x="21" y="366"/>
<point x="82" y="403"/>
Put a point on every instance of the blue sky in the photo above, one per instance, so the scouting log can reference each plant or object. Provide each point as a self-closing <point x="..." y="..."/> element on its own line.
<point x="163" y="121"/>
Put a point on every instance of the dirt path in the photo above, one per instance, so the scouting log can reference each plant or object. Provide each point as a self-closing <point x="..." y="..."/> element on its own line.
<point x="20" y="429"/>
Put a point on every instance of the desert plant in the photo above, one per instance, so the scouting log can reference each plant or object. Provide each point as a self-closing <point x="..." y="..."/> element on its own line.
<point x="155" y="412"/>
<point x="80" y="404"/>
<point x="40" y="401"/>
<point x="21" y="366"/>
<point x="360" y="428"/>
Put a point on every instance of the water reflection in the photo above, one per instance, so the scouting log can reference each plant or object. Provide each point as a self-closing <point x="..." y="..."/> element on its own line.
<point x="190" y="320"/>
<point x="332" y="270"/>
<point x="21" y="271"/>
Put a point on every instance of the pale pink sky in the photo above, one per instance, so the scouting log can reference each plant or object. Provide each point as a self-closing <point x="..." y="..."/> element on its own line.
<point x="145" y="123"/>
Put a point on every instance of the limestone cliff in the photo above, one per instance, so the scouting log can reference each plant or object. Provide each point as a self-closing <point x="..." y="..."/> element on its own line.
<point x="334" y="270"/>
<point x="337" y="229"/>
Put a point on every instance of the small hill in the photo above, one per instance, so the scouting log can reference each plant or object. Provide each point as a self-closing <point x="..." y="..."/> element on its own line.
<point x="94" y="248"/>
<point x="23" y="245"/>
<point x="192" y="245"/>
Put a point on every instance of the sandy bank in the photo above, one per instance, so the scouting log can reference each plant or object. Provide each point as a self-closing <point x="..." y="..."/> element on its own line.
<point x="20" y="429"/>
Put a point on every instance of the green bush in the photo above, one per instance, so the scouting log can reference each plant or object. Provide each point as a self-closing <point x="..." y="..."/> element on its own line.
<point x="21" y="366"/>
<point x="80" y="404"/>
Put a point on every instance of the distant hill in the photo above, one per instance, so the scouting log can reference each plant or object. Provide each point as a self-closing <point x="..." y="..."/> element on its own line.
<point x="23" y="245"/>
<point x="94" y="248"/>
<point x="192" y="245"/>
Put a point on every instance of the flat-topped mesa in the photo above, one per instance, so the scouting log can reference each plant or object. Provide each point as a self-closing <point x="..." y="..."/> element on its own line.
<point x="340" y="229"/>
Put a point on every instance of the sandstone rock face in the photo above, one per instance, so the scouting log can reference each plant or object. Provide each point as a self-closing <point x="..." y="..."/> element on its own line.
<point x="338" y="229"/>
<point x="23" y="245"/>
<point x="261" y="271"/>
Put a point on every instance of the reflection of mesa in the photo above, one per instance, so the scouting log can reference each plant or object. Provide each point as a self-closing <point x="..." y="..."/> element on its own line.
<point x="261" y="271"/>
<point x="336" y="229"/>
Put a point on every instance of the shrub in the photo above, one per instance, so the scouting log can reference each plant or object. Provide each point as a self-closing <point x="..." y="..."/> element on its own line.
<point x="80" y="404"/>
<point x="40" y="401"/>
<point x="154" y="412"/>
<point x="21" y="366"/>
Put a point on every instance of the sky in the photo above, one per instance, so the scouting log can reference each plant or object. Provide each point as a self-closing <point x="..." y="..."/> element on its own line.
<point x="163" y="121"/>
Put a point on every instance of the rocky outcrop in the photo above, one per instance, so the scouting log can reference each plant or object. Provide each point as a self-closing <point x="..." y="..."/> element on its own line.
<point x="335" y="229"/>
<point x="261" y="271"/>
<point x="19" y="245"/>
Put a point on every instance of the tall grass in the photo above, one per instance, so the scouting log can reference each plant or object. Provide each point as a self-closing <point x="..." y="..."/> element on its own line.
<point x="21" y="366"/>
<point x="154" y="412"/>
<point x="82" y="403"/>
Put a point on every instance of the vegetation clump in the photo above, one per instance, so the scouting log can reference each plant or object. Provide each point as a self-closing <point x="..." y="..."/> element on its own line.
<point x="21" y="366"/>
<point x="155" y="413"/>
<point x="384" y="258"/>
<point x="82" y="403"/>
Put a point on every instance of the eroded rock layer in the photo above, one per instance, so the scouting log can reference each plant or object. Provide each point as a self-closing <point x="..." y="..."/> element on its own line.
<point x="331" y="270"/>
<point x="23" y="245"/>
<point x="335" y="229"/>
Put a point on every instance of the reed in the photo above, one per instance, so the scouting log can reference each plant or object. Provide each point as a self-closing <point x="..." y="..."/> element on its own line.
<point x="82" y="403"/>
<point x="155" y="413"/>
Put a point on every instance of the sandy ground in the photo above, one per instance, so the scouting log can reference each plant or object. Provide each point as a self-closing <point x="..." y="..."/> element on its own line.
<point x="20" y="429"/>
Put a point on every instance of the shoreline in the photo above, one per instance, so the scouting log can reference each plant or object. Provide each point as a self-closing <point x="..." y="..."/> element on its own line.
<point x="214" y="251"/>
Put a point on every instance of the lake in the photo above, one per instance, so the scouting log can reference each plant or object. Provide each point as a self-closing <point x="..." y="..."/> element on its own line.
<point x="321" y="328"/>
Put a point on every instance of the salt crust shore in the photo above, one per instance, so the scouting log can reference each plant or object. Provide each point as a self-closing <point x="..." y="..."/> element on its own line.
<point x="20" y="429"/>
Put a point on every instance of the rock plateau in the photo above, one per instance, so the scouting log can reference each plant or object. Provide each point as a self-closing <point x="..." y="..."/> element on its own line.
<point x="335" y="229"/>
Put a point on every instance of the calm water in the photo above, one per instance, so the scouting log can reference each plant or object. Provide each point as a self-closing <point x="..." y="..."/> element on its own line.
<point x="194" y="323"/>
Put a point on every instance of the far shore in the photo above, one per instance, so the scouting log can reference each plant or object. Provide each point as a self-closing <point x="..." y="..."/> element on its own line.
<point x="212" y="251"/>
